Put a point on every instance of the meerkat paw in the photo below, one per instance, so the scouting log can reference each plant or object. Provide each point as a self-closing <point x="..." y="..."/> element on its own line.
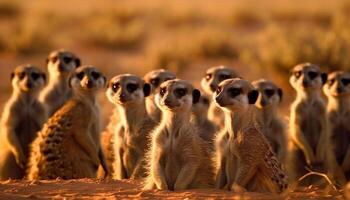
<point x="237" y="188"/>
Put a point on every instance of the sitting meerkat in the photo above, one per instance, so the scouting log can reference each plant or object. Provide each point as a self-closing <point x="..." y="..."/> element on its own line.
<point x="128" y="93"/>
<point x="155" y="78"/>
<point x="308" y="124"/>
<point x="273" y="127"/>
<point x="337" y="89"/>
<point x="22" y="117"/>
<point x="200" y="112"/>
<point x="210" y="82"/>
<point x="68" y="146"/>
<point x="244" y="158"/>
<point x="60" y="64"/>
<point x="178" y="158"/>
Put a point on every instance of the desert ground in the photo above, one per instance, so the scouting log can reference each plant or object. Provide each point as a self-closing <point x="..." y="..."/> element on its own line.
<point x="260" y="39"/>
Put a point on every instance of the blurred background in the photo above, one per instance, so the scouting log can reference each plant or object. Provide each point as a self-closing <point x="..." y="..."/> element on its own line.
<point x="260" y="39"/>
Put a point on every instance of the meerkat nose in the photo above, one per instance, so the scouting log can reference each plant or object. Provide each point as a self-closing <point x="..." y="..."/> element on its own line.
<point x="89" y="83"/>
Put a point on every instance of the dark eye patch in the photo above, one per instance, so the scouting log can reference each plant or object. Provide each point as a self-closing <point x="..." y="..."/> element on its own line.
<point x="67" y="59"/>
<point x="115" y="87"/>
<point x="80" y="75"/>
<point x="297" y="74"/>
<point x="21" y="75"/>
<point x="54" y="59"/>
<point x="205" y="101"/>
<point x="218" y="90"/>
<point x="312" y="75"/>
<point x="269" y="92"/>
<point x="131" y="87"/>
<point x="331" y="81"/>
<point x="180" y="92"/>
<point x="95" y="75"/>
<point x="155" y="82"/>
<point x="208" y="76"/>
<point x="35" y="75"/>
<point x="162" y="91"/>
<point x="345" y="81"/>
<point x="233" y="92"/>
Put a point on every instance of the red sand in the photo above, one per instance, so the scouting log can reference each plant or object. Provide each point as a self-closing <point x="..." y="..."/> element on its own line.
<point x="110" y="189"/>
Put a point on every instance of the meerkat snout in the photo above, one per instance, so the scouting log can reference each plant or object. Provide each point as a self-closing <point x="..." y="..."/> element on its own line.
<point x="28" y="78"/>
<point x="307" y="76"/>
<point x="338" y="84"/>
<point x="269" y="93"/>
<point x="87" y="78"/>
<point x="127" y="89"/>
<point x="235" y="94"/>
<point x="177" y="95"/>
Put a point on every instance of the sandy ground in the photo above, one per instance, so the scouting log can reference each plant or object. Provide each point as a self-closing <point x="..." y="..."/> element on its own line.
<point x="131" y="189"/>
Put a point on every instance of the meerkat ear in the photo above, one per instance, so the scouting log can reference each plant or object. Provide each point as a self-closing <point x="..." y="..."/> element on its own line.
<point x="196" y="95"/>
<point x="146" y="89"/>
<point x="324" y="77"/>
<point x="253" y="96"/>
<point x="77" y="62"/>
<point x="105" y="81"/>
<point x="12" y="75"/>
<point x="280" y="93"/>
<point x="47" y="60"/>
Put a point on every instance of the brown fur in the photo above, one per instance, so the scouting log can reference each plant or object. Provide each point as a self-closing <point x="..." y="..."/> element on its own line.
<point x="22" y="117"/>
<point x="68" y="146"/>
<point x="244" y="159"/>
<point x="178" y="158"/>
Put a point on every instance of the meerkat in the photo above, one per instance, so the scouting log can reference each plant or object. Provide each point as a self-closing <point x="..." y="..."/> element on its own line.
<point x="128" y="93"/>
<point x="309" y="141"/>
<point x="337" y="90"/>
<point x="68" y="145"/>
<point x="200" y="112"/>
<point x="155" y="78"/>
<point x="22" y="117"/>
<point x="178" y="158"/>
<point x="244" y="159"/>
<point x="209" y="83"/>
<point x="60" y="64"/>
<point x="267" y="103"/>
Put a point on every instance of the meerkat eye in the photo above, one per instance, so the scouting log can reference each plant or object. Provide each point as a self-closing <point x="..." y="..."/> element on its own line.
<point x="208" y="76"/>
<point x="131" y="87"/>
<point x="162" y="91"/>
<point x="115" y="87"/>
<point x="312" y="75"/>
<point x="35" y="75"/>
<point x="21" y="75"/>
<point x="297" y="74"/>
<point x="95" y="75"/>
<point x="224" y="77"/>
<point x="180" y="92"/>
<point x="269" y="92"/>
<point x="233" y="92"/>
<point x="345" y="81"/>
<point x="80" y="75"/>
<point x="331" y="81"/>
<point x="67" y="59"/>
<point x="155" y="82"/>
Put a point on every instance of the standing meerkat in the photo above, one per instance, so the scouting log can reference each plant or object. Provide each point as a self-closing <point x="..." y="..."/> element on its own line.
<point x="200" y="112"/>
<point x="128" y="93"/>
<point x="244" y="158"/>
<point x="155" y="78"/>
<point x="178" y="158"/>
<point x="267" y="103"/>
<point x="308" y="124"/>
<point x="60" y="65"/>
<point x="68" y="146"/>
<point x="22" y="117"/>
<point x="337" y="89"/>
<point x="210" y="82"/>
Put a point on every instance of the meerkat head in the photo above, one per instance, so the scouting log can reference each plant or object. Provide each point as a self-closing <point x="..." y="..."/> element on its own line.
<point x="62" y="63"/>
<point x="87" y="78"/>
<point x="214" y="76"/>
<point x="157" y="77"/>
<point x="307" y="77"/>
<point x="235" y="94"/>
<point x="28" y="78"/>
<point x="338" y="84"/>
<point x="177" y="96"/>
<point x="269" y="93"/>
<point x="127" y="89"/>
